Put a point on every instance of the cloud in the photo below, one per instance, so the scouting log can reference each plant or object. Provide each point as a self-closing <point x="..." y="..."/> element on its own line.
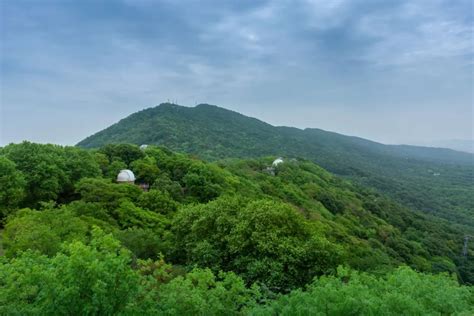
<point x="274" y="59"/>
<point x="416" y="32"/>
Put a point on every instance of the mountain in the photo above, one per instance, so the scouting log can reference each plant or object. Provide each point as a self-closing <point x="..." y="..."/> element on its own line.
<point x="435" y="180"/>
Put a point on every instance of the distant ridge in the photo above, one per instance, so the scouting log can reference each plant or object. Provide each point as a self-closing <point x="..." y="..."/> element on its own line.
<point x="465" y="145"/>
<point x="153" y="126"/>
<point x="430" y="179"/>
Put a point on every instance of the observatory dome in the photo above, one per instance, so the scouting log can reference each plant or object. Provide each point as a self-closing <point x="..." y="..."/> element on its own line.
<point x="277" y="162"/>
<point x="126" y="176"/>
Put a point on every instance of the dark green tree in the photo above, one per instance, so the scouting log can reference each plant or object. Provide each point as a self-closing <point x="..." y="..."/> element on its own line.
<point x="44" y="169"/>
<point x="124" y="152"/>
<point x="263" y="241"/>
<point x="12" y="184"/>
<point x="145" y="169"/>
<point x="158" y="201"/>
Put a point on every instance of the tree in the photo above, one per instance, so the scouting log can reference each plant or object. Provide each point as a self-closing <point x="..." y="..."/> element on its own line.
<point x="199" y="187"/>
<point x="400" y="292"/>
<point x="164" y="184"/>
<point x="82" y="279"/>
<point x="50" y="171"/>
<point x="157" y="201"/>
<point x="105" y="192"/>
<point x="144" y="243"/>
<point x="145" y="170"/>
<point x="13" y="185"/>
<point x="43" y="167"/>
<point x="79" y="164"/>
<point x="124" y="152"/>
<point x="263" y="241"/>
<point x="201" y="292"/>
<point x="128" y="215"/>
<point x="114" y="168"/>
<point x="43" y="231"/>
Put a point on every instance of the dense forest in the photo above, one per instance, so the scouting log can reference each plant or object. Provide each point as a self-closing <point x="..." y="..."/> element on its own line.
<point x="229" y="237"/>
<point x="438" y="181"/>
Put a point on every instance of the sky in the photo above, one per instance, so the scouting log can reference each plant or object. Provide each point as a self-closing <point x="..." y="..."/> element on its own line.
<point x="390" y="71"/>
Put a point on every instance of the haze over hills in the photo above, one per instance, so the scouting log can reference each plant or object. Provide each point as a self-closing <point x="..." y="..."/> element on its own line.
<point x="466" y="145"/>
<point x="436" y="180"/>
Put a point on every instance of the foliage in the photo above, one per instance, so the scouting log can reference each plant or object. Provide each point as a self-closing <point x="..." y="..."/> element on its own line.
<point x="401" y="292"/>
<point x="13" y="184"/>
<point x="200" y="292"/>
<point x="90" y="279"/>
<point x="105" y="192"/>
<point x="50" y="171"/>
<point x="437" y="181"/>
<point x="43" y="231"/>
<point x="237" y="239"/>
<point x="122" y="152"/>
<point x="144" y="243"/>
<point x="114" y="168"/>
<point x="157" y="201"/>
<point x="146" y="169"/>
<point x="263" y="241"/>
<point x="128" y="215"/>
<point x="96" y="279"/>
<point x="44" y="169"/>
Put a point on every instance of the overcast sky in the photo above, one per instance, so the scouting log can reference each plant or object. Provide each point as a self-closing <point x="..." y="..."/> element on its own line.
<point x="391" y="71"/>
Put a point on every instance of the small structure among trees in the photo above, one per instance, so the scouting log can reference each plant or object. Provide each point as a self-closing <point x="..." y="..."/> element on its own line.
<point x="272" y="170"/>
<point x="126" y="176"/>
<point x="277" y="161"/>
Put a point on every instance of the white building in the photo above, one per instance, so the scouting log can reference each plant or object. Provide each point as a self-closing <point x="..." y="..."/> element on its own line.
<point x="126" y="176"/>
<point x="277" y="161"/>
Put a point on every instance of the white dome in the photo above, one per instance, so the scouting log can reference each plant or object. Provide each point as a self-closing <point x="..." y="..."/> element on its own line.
<point x="143" y="147"/>
<point x="277" y="162"/>
<point x="125" y="176"/>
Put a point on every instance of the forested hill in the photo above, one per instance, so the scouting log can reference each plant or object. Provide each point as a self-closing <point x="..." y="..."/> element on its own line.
<point x="435" y="180"/>
<point x="221" y="127"/>
<point x="226" y="238"/>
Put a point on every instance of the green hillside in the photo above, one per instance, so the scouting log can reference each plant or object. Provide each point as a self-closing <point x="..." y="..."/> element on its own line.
<point x="437" y="181"/>
<point x="225" y="238"/>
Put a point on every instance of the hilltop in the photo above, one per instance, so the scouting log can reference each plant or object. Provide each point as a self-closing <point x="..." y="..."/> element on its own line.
<point x="254" y="137"/>
<point x="436" y="180"/>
